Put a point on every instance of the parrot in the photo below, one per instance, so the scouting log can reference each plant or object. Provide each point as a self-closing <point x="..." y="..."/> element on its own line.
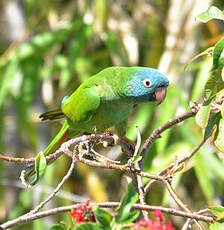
<point x="106" y="99"/>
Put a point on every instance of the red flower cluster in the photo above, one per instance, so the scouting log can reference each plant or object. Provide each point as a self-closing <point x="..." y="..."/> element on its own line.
<point x="154" y="225"/>
<point x="83" y="213"/>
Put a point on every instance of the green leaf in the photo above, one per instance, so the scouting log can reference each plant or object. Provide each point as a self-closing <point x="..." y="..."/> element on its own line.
<point x="125" y="215"/>
<point x="57" y="227"/>
<point x="218" y="55"/>
<point x="216" y="226"/>
<point x="202" y="116"/>
<point x="216" y="210"/>
<point x="219" y="142"/>
<point x="40" y="167"/>
<point x="211" y="125"/>
<point x="214" y="84"/>
<point x="201" y="166"/>
<point x="103" y="217"/>
<point x="212" y="13"/>
<point x="87" y="226"/>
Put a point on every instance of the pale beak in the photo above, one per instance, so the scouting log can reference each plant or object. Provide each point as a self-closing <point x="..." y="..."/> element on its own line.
<point x="160" y="94"/>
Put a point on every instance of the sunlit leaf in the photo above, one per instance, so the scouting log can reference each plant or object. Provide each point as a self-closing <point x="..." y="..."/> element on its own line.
<point x="212" y="13"/>
<point x="40" y="167"/>
<point x="202" y="116"/>
<point x="218" y="211"/>
<point x="218" y="54"/>
<point x="212" y="122"/>
<point x="214" y="84"/>
<point x="219" y="142"/>
<point x="216" y="226"/>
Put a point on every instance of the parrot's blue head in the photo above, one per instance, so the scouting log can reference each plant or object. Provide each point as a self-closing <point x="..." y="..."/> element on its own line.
<point x="147" y="84"/>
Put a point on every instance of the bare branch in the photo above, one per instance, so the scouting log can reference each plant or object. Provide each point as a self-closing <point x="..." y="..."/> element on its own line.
<point x="156" y="133"/>
<point x="52" y="195"/>
<point x="187" y="157"/>
<point x="54" y="211"/>
<point x="179" y="201"/>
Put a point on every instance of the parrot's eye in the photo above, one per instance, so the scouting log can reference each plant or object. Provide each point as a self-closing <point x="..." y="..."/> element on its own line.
<point x="147" y="83"/>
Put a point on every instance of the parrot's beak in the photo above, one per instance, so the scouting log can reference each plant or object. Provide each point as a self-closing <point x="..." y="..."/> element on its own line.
<point x="160" y="93"/>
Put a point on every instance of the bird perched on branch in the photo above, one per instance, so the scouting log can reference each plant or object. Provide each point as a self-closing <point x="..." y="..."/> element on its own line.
<point x="106" y="99"/>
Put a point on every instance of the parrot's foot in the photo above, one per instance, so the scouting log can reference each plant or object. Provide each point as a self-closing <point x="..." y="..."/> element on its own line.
<point x="111" y="141"/>
<point x="127" y="145"/>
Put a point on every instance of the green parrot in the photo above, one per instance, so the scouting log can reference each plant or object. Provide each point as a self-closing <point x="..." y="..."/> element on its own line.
<point x="106" y="99"/>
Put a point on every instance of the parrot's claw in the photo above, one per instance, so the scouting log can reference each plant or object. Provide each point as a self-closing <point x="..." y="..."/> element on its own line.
<point x="127" y="145"/>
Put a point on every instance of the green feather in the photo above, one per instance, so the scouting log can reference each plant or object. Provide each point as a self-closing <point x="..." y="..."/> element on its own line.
<point x="105" y="100"/>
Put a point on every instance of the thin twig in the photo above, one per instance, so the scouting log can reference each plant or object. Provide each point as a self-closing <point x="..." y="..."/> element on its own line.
<point x="17" y="159"/>
<point x="186" y="224"/>
<point x="179" y="201"/>
<point x="54" y="211"/>
<point x="156" y="133"/>
<point x="140" y="187"/>
<point x="187" y="157"/>
<point x="124" y="168"/>
<point x="68" y="174"/>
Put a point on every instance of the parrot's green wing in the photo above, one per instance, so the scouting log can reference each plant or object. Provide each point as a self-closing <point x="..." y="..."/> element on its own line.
<point x="82" y="104"/>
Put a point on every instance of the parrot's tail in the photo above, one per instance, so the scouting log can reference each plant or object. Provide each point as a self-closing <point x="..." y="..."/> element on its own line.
<point x="31" y="174"/>
<point x="52" y="115"/>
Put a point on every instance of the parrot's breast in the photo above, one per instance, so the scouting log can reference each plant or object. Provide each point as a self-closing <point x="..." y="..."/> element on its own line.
<point x="109" y="113"/>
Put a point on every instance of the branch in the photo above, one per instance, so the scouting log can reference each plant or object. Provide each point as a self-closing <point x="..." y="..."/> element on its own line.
<point x="156" y="133"/>
<point x="52" y="195"/>
<point x="187" y="157"/>
<point x="54" y="211"/>
<point x="179" y="201"/>
<point x="124" y="168"/>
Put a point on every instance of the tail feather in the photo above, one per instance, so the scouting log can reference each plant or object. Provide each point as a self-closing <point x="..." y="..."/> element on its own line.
<point x="52" y="115"/>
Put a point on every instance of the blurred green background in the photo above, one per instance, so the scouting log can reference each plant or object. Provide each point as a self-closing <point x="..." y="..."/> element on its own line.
<point x="48" y="47"/>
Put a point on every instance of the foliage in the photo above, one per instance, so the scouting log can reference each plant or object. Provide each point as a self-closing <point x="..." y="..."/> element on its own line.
<point x="84" y="217"/>
<point x="68" y="41"/>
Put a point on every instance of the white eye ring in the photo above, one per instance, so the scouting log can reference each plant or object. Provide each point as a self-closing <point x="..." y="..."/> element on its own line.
<point x="147" y="83"/>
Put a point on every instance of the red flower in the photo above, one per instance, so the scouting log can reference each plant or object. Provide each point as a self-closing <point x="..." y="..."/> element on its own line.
<point x="83" y="213"/>
<point x="154" y="225"/>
